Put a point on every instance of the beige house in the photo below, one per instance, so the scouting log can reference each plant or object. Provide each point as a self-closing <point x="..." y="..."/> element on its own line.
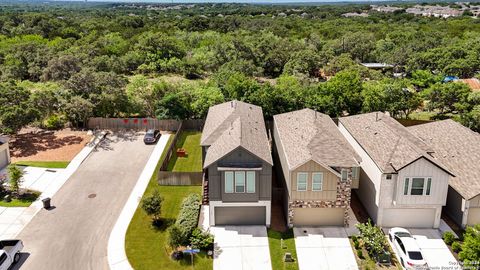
<point x="402" y="183"/>
<point x="458" y="148"/>
<point x="4" y="152"/>
<point x="318" y="167"/>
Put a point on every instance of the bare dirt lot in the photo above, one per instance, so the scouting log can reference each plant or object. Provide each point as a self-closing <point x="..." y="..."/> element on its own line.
<point x="46" y="145"/>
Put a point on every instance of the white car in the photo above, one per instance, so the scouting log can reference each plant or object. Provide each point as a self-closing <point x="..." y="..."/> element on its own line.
<point x="407" y="249"/>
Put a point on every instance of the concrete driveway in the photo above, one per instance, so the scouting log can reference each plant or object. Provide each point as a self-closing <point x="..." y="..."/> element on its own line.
<point x="74" y="235"/>
<point x="326" y="248"/>
<point x="434" y="250"/>
<point x="241" y="248"/>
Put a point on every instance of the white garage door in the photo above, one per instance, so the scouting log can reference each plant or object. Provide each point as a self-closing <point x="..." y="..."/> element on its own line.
<point x="410" y="218"/>
<point x="473" y="216"/>
<point x="318" y="216"/>
<point x="3" y="159"/>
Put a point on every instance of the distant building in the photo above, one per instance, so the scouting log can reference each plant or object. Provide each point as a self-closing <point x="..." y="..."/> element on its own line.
<point x="473" y="83"/>
<point x="377" y="65"/>
<point x="385" y="9"/>
<point x="353" y="14"/>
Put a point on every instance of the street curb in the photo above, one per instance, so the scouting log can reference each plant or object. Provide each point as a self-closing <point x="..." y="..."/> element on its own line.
<point x="117" y="257"/>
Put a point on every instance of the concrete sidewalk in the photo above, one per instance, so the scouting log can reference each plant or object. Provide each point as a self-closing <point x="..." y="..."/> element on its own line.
<point x="117" y="258"/>
<point x="14" y="219"/>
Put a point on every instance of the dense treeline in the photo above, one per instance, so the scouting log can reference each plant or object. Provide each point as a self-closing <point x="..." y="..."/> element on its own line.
<point x="61" y="63"/>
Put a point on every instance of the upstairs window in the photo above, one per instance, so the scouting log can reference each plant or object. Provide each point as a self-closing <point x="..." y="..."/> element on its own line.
<point x="417" y="186"/>
<point x="250" y="182"/>
<point x="239" y="182"/>
<point x="302" y="179"/>
<point x="317" y="181"/>
<point x="228" y="182"/>
<point x="344" y="175"/>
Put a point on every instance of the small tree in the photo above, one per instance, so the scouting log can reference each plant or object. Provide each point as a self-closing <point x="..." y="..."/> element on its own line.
<point x="15" y="175"/>
<point x="175" y="236"/>
<point x="152" y="205"/>
<point x="470" y="253"/>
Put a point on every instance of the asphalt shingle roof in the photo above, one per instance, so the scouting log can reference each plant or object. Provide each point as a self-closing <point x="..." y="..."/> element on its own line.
<point x="309" y="135"/>
<point x="387" y="142"/>
<point x="458" y="148"/>
<point x="235" y="124"/>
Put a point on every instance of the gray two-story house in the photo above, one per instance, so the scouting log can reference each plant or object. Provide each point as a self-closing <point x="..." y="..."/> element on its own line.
<point x="237" y="164"/>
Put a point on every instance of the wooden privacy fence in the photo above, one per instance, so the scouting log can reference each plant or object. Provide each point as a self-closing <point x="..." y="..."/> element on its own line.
<point x="143" y="124"/>
<point x="171" y="148"/>
<point x="180" y="178"/>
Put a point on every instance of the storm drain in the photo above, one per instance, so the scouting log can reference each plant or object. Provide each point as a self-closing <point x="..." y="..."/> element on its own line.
<point x="91" y="196"/>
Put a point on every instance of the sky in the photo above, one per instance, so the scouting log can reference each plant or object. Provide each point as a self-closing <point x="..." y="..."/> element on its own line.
<point x="228" y="1"/>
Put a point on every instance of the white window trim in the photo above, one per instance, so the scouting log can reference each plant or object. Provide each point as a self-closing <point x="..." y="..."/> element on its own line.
<point x="306" y="182"/>
<point x="244" y="182"/>
<point x="254" y="182"/>
<point x="225" y="182"/>
<point x="321" y="181"/>
<point x="341" y="175"/>
<point x="410" y="184"/>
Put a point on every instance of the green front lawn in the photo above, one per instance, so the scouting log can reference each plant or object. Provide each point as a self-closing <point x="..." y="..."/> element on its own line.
<point x="146" y="246"/>
<point x="44" y="164"/>
<point x="277" y="252"/>
<point x="190" y="141"/>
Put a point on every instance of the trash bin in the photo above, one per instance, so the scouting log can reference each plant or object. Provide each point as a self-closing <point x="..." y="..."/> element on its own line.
<point x="46" y="203"/>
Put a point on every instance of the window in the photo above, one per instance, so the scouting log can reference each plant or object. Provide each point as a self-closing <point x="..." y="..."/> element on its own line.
<point x="228" y="182"/>
<point x="405" y="187"/>
<point x="429" y="185"/>
<point x="3" y="258"/>
<point x="302" y="181"/>
<point x="400" y="243"/>
<point x="344" y="175"/>
<point x="250" y="182"/>
<point x="388" y="177"/>
<point x="356" y="173"/>
<point x="317" y="181"/>
<point x="239" y="182"/>
<point x="417" y="186"/>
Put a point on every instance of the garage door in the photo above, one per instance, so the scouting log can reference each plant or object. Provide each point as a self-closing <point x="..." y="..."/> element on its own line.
<point x="412" y="218"/>
<point x="245" y="215"/>
<point x="3" y="159"/>
<point x="473" y="216"/>
<point x="318" y="216"/>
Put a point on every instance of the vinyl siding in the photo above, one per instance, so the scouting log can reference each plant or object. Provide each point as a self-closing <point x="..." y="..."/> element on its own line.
<point x="282" y="158"/>
<point x="263" y="178"/>
<point x="329" y="187"/>
<point x="423" y="168"/>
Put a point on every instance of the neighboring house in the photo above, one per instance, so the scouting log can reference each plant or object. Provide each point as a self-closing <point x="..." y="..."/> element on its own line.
<point x="317" y="165"/>
<point x="458" y="148"/>
<point x="401" y="183"/>
<point x="4" y="152"/>
<point x="237" y="164"/>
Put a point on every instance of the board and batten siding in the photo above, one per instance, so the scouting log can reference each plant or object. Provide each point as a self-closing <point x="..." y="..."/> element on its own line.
<point x="329" y="185"/>
<point x="281" y="156"/>
<point x="423" y="168"/>
<point x="263" y="178"/>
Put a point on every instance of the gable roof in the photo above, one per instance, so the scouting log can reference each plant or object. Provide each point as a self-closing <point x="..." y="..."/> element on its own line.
<point x="309" y="135"/>
<point x="458" y="148"/>
<point x="473" y="83"/>
<point x="235" y="124"/>
<point x="390" y="145"/>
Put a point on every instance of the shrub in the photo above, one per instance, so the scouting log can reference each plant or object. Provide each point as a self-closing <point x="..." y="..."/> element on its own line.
<point x="470" y="253"/>
<point x="152" y="205"/>
<point x="201" y="239"/>
<point x="15" y="175"/>
<point x="360" y="254"/>
<point x="373" y="239"/>
<point x="53" y="122"/>
<point x="456" y="246"/>
<point x="188" y="217"/>
<point x="354" y="238"/>
<point x="356" y="244"/>
<point x="175" y="236"/>
<point x="448" y="237"/>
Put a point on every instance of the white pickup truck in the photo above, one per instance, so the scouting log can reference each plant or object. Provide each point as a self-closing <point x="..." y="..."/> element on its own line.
<point x="9" y="253"/>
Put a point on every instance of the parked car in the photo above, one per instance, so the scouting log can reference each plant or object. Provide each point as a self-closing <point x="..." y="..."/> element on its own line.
<point x="9" y="253"/>
<point x="407" y="249"/>
<point x="151" y="136"/>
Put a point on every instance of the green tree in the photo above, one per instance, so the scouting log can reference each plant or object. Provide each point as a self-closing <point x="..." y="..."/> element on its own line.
<point x="152" y="205"/>
<point x="470" y="254"/>
<point x="78" y="110"/>
<point x="203" y="98"/>
<point x="16" y="110"/>
<point x="15" y="177"/>
<point x="374" y="96"/>
<point x="446" y="97"/>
